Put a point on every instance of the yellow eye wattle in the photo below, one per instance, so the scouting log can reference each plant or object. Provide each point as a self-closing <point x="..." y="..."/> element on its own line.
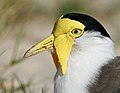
<point x="76" y="32"/>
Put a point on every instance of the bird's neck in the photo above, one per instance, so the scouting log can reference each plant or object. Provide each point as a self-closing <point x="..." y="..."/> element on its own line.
<point x="84" y="65"/>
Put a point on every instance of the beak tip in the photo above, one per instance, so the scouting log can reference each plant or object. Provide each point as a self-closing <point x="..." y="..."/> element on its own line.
<point x="27" y="54"/>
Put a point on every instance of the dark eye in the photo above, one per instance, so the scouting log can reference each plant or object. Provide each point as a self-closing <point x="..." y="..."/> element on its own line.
<point x="76" y="31"/>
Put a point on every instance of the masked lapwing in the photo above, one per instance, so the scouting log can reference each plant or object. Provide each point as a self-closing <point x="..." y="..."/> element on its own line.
<point x="84" y="55"/>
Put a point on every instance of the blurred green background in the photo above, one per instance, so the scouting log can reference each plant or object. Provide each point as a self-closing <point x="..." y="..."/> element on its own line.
<point x="25" y="22"/>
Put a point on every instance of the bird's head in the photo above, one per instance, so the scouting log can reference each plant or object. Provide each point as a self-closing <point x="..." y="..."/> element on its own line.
<point x="66" y="30"/>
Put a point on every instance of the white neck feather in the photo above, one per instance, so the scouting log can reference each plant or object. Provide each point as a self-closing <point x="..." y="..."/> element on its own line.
<point x="90" y="52"/>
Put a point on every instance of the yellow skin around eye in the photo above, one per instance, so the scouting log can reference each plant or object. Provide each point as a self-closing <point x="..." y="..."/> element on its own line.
<point x="78" y="34"/>
<point x="66" y="25"/>
<point x="64" y="39"/>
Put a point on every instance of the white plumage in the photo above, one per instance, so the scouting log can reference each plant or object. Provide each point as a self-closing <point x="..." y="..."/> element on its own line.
<point x="89" y="53"/>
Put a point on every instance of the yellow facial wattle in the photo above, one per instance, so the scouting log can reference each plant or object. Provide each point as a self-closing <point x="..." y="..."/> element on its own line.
<point x="63" y="44"/>
<point x="62" y="40"/>
<point x="66" y="26"/>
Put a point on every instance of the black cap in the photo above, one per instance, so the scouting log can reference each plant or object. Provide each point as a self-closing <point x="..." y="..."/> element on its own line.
<point x="90" y="23"/>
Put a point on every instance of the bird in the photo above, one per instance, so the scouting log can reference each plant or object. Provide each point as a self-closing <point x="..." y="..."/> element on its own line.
<point x="84" y="55"/>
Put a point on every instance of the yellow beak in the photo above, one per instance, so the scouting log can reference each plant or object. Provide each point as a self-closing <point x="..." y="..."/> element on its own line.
<point x="41" y="46"/>
<point x="62" y="45"/>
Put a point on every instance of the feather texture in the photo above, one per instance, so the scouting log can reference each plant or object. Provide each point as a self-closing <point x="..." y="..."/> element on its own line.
<point x="89" y="54"/>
